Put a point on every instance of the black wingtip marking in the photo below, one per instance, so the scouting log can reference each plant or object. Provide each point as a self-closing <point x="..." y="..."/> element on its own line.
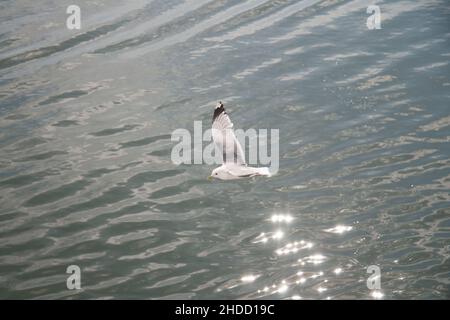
<point x="218" y="111"/>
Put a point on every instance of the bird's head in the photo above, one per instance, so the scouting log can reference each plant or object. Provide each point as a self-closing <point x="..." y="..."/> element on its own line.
<point x="214" y="174"/>
<point x="219" y="173"/>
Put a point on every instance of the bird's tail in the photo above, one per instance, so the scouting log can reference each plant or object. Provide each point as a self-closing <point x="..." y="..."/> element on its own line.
<point x="264" y="171"/>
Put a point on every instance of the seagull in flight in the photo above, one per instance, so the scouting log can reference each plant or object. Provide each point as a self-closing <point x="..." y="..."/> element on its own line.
<point x="234" y="165"/>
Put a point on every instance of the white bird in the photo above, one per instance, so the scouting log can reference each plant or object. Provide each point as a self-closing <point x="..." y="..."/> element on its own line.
<point x="234" y="166"/>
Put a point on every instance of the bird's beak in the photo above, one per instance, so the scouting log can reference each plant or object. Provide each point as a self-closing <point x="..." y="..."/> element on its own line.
<point x="210" y="178"/>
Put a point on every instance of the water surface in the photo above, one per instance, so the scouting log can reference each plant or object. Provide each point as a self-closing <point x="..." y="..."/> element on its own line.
<point x="85" y="171"/>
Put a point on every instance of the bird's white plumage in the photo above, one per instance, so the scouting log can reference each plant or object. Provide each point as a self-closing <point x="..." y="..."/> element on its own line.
<point x="225" y="139"/>
<point x="234" y="165"/>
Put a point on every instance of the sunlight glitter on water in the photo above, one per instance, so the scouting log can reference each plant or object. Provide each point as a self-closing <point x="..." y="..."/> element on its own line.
<point x="280" y="218"/>
<point x="339" y="229"/>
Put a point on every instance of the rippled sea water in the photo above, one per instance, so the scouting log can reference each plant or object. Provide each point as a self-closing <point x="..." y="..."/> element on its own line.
<point x="86" y="177"/>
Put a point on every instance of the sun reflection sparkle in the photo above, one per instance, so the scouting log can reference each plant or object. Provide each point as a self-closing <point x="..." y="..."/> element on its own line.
<point x="339" y="229"/>
<point x="277" y="218"/>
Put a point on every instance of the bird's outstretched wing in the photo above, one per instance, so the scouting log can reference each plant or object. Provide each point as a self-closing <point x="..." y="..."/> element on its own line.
<point x="224" y="137"/>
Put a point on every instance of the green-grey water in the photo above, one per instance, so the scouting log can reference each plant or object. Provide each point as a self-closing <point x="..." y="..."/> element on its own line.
<point x="86" y="176"/>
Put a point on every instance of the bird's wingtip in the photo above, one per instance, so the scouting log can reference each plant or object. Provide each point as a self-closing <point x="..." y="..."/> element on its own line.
<point x="219" y="105"/>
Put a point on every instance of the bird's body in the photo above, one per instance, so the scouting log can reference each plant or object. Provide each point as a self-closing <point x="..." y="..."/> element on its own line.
<point x="234" y="165"/>
<point x="231" y="172"/>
